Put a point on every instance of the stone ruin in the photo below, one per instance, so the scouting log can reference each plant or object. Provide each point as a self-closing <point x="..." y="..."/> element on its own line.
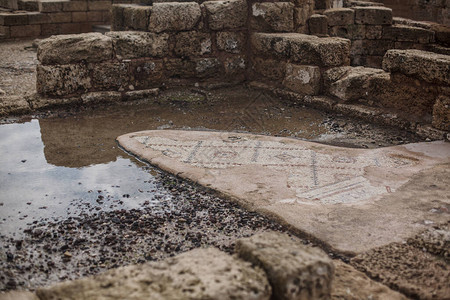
<point x="357" y="60"/>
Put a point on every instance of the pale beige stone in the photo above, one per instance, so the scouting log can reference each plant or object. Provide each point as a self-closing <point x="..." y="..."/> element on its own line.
<point x="174" y="16"/>
<point x="132" y="44"/>
<point x="62" y="79"/>
<point x="229" y="14"/>
<point x="302" y="79"/>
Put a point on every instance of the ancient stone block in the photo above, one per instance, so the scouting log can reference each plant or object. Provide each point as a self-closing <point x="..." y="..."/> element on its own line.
<point x="222" y="15"/>
<point x="62" y="80"/>
<point x="10" y="19"/>
<point x="51" y="5"/>
<point x="99" y="97"/>
<point x="38" y="18"/>
<point x="441" y="115"/>
<point x="426" y="66"/>
<point x="304" y="80"/>
<point x="318" y="25"/>
<point x="192" y="43"/>
<point x="350" y="83"/>
<point x="79" y="16"/>
<point x="132" y="44"/>
<point x="5" y="32"/>
<point x="174" y="16"/>
<point x="99" y="5"/>
<point x="16" y="295"/>
<point x="197" y="274"/>
<point x="66" y="49"/>
<point x="13" y="105"/>
<point x="94" y="16"/>
<point x="301" y="15"/>
<point x="136" y="17"/>
<point x="235" y="66"/>
<point x="60" y="17"/>
<point x="207" y="67"/>
<point x="272" y="69"/>
<point x="295" y="271"/>
<point x="179" y="68"/>
<point x="270" y="17"/>
<point x="374" y="32"/>
<point x="141" y="94"/>
<point x="75" y="6"/>
<point x="117" y="16"/>
<point x="373" y="15"/>
<point x="50" y="29"/>
<point x="145" y="73"/>
<point x="302" y="49"/>
<point x="403" y="33"/>
<point x="25" y="31"/>
<point x="110" y="75"/>
<point x="232" y="42"/>
<point x="340" y="16"/>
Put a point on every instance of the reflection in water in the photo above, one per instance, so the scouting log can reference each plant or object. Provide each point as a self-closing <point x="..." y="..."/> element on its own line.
<point x="33" y="189"/>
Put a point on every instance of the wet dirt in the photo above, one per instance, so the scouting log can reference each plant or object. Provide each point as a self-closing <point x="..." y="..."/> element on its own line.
<point x="73" y="203"/>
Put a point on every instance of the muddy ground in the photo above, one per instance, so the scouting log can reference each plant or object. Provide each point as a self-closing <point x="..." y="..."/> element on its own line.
<point x="185" y="216"/>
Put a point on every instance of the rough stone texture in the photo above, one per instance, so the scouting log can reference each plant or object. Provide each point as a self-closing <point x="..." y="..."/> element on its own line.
<point x="441" y="113"/>
<point x="136" y="17"/>
<point x="13" y="105"/>
<point x="62" y="79"/>
<point x="270" y="17"/>
<point x="192" y="43"/>
<point x="301" y="15"/>
<point x="351" y="284"/>
<point x="117" y="16"/>
<point x="373" y="15"/>
<point x="99" y="97"/>
<point x="269" y="68"/>
<point x="305" y="80"/>
<point x="66" y="49"/>
<point x="295" y="271"/>
<point x="412" y="271"/>
<point x="142" y="94"/>
<point x="146" y="73"/>
<point x="235" y="66"/>
<point x="340" y="16"/>
<point x="197" y="274"/>
<point x="426" y="66"/>
<point x="174" y="16"/>
<point x="110" y="75"/>
<point x="232" y="42"/>
<point x="131" y="44"/>
<point x="351" y="83"/>
<point x="18" y="296"/>
<point x="318" y="25"/>
<point x="230" y="14"/>
<point x="302" y="49"/>
<point x="403" y="33"/>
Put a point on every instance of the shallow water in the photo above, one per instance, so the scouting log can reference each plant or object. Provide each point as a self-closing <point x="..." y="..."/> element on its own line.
<point x="52" y="168"/>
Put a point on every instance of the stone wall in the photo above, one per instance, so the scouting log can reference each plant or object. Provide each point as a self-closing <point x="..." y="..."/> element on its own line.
<point x="421" y="10"/>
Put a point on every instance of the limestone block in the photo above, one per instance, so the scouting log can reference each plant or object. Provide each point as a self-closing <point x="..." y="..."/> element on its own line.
<point x="197" y="274"/>
<point x="62" y="80"/>
<point x="142" y="94"/>
<point x="426" y="66"/>
<point x="351" y="83"/>
<point x="132" y="44"/>
<point x="404" y="33"/>
<point x="295" y="271"/>
<point x="192" y="43"/>
<point x="146" y="73"/>
<point x="15" y="295"/>
<point x="270" y="17"/>
<point x="207" y="67"/>
<point x="117" y="16"/>
<point x="179" y="68"/>
<point x="99" y="5"/>
<point x="441" y="118"/>
<point x="301" y="15"/>
<point x="66" y="49"/>
<point x="302" y="49"/>
<point x="174" y="16"/>
<point x="340" y="16"/>
<point x="272" y="69"/>
<point x="230" y="14"/>
<point x="318" y="25"/>
<point x="136" y="17"/>
<point x="76" y="6"/>
<point x="374" y="32"/>
<point x="305" y="80"/>
<point x="25" y="31"/>
<point x="373" y="15"/>
<point x="10" y="19"/>
<point x="231" y="41"/>
<point x="99" y="97"/>
<point x="51" y="5"/>
<point x="235" y="65"/>
<point x="110" y="75"/>
<point x="14" y="105"/>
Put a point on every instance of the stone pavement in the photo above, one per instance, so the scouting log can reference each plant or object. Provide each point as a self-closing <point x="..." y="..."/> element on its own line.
<point x="352" y="200"/>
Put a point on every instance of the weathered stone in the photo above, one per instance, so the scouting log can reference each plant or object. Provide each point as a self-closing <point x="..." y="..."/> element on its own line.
<point x="353" y="32"/>
<point x="295" y="271"/>
<point x="66" y="49"/>
<point x="146" y="73"/>
<point x="301" y="15"/>
<point x="348" y="283"/>
<point x="350" y="83"/>
<point x="230" y="14"/>
<point x="269" y="17"/>
<point x="18" y="296"/>
<point x="110" y="75"/>
<point x="305" y="80"/>
<point x="232" y="42"/>
<point x="441" y="115"/>
<point x="179" y="68"/>
<point x="39" y="102"/>
<point x="99" y="97"/>
<point x="272" y="69"/>
<point x="340" y="16"/>
<point x="374" y="32"/>
<point x="192" y="43"/>
<point x="174" y="16"/>
<point x="207" y="67"/>
<point x="408" y="34"/>
<point x="302" y="49"/>
<point x="142" y="94"/>
<point x="373" y="15"/>
<point x="10" y="19"/>
<point x="46" y="6"/>
<point x="13" y="105"/>
<point x="426" y="66"/>
<point x="198" y="274"/>
<point x="235" y="66"/>
<point x="131" y="44"/>
<point x="117" y="16"/>
<point x="318" y="25"/>
<point x="62" y="79"/>
<point x="136" y="17"/>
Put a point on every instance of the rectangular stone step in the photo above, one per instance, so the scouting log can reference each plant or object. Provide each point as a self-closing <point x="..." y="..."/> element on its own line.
<point x="28" y="5"/>
<point x="51" y="5"/>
